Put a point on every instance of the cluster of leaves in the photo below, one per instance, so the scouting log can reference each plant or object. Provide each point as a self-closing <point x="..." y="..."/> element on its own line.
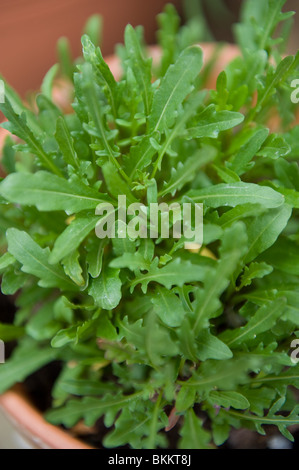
<point x="144" y="326"/>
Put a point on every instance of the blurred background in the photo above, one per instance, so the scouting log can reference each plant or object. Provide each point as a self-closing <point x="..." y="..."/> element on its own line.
<point x="29" y="29"/>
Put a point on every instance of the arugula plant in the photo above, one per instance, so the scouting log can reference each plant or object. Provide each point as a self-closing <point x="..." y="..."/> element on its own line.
<point x="144" y="329"/>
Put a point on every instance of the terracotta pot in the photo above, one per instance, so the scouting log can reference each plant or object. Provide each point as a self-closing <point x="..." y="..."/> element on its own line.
<point x="29" y="30"/>
<point x="30" y="424"/>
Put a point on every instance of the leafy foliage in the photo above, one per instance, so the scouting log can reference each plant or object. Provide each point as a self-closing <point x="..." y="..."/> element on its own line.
<point x="143" y="326"/>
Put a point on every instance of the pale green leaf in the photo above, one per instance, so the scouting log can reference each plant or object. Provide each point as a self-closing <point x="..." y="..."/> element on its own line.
<point x="174" y="88"/>
<point x="35" y="260"/>
<point x="106" y="289"/>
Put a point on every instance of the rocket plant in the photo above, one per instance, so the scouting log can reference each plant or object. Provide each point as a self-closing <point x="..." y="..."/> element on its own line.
<point x="149" y="335"/>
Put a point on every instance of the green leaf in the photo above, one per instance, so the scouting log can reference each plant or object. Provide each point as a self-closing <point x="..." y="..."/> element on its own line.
<point x="240" y="162"/>
<point x="273" y="17"/>
<point x="185" y="398"/>
<point x="115" y="184"/>
<point x="91" y="409"/>
<point x="207" y="304"/>
<point x="188" y="111"/>
<point x="140" y="155"/>
<point x="123" y="245"/>
<point x="74" y="334"/>
<point x="288" y="377"/>
<point x="105" y="328"/>
<point x="150" y="338"/>
<point x="99" y="118"/>
<point x="168" y="307"/>
<point x="24" y="362"/>
<point x="35" y="260"/>
<point x="129" y="429"/>
<point x="185" y="171"/>
<point x="18" y="105"/>
<point x="287" y="173"/>
<point x="42" y="325"/>
<point x="12" y="281"/>
<point x="93" y="29"/>
<point x="259" y="399"/>
<point x="291" y="196"/>
<point x="264" y="231"/>
<point x="63" y="337"/>
<point x="103" y="74"/>
<point x="282" y="422"/>
<point x="49" y="192"/>
<point x="66" y="143"/>
<point x="17" y="125"/>
<point x="106" y="289"/>
<point x="187" y="341"/>
<point x="6" y="260"/>
<point x="274" y="147"/>
<point x="94" y="258"/>
<point x="174" y="88"/>
<point x="147" y="249"/>
<point x="264" y="319"/>
<point x="141" y="67"/>
<point x="48" y="115"/>
<point x="10" y="332"/>
<point x="73" y="269"/>
<point x="256" y="34"/>
<point x="155" y="424"/>
<point x="211" y="347"/>
<point x="72" y="236"/>
<point x="227" y="175"/>
<point x="210" y="122"/>
<point x="237" y="193"/>
<point x="254" y="271"/>
<point x="197" y="23"/>
<point x="47" y="84"/>
<point x="229" y="399"/>
<point x="273" y="80"/>
<point x="131" y="261"/>
<point x="63" y="310"/>
<point x="240" y="212"/>
<point x="82" y="387"/>
<point x="193" y="434"/>
<point x="223" y="375"/>
<point x="65" y="57"/>
<point x="221" y="432"/>
<point x="283" y="255"/>
<point x="167" y="275"/>
<point x="168" y="22"/>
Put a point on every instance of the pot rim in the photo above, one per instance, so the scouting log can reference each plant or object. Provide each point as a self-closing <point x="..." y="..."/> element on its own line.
<point x="30" y="422"/>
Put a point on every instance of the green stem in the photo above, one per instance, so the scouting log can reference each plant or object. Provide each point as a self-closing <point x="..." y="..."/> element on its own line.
<point x="154" y="421"/>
